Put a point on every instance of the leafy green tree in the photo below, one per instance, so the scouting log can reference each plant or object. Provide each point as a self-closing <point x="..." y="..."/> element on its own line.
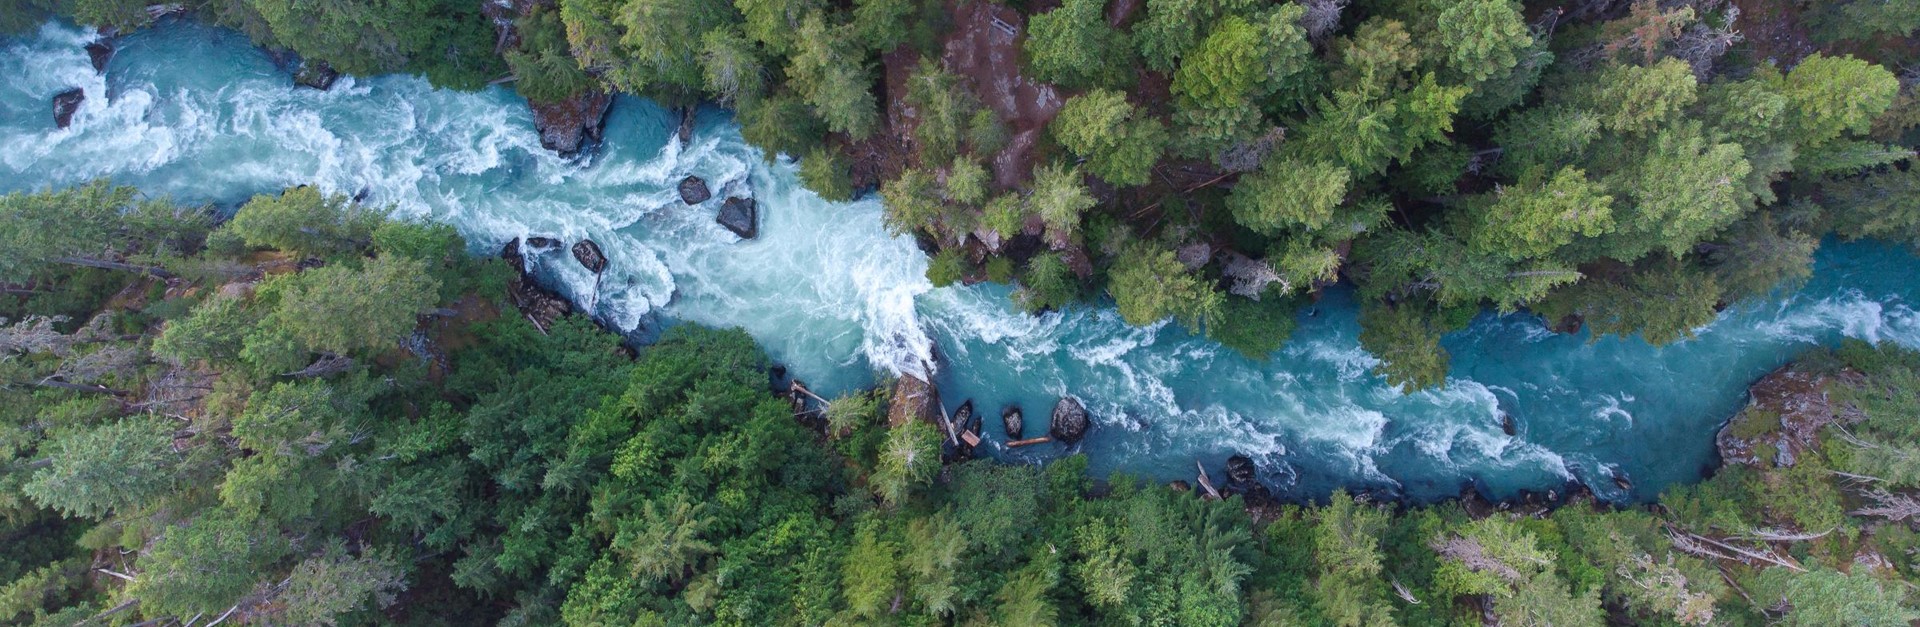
<point x="1121" y="142"/>
<point x="780" y="124"/>
<point x="909" y="459"/>
<point x="1640" y="99"/>
<point x="205" y="566"/>
<point x="1830" y="597"/>
<point x="946" y="267"/>
<point x="450" y="42"/>
<point x="1047" y="284"/>
<point x="343" y="310"/>
<point x="774" y="23"/>
<point x="1407" y="345"/>
<point x="1239" y="58"/>
<point x="1831" y="96"/>
<point x="95" y="225"/>
<point x="1289" y="193"/>
<point x="1060" y="198"/>
<point x="1662" y="302"/>
<point x="832" y="73"/>
<point x="665" y="542"/>
<point x="1073" y="46"/>
<point x="734" y="70"/>
<point x="1535" y="218"/>
<point x="1682" y="190"/>
<point x="967" y="181"/>
<point x="825" y="172"/>
<point x="1878" y="204"/>
<point x="944" y="108"/>
<point x="1346" y="542"/>
<point x="116" y="467"/>
<point x="1544" y="138"/>
<point x="1149" y="284"/>
<point x="304" y="222"/>
<point x="326" y="588"/>
<point x="1483" y="38"/>
<point x="544" y="68"/>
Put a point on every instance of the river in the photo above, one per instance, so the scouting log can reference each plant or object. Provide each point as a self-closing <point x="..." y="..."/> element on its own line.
<point x="198" y="114"/>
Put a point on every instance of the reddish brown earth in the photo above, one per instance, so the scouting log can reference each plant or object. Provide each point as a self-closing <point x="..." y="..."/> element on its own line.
<point x="991" y="59"/>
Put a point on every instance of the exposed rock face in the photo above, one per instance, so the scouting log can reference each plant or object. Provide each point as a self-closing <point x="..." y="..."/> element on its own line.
<point x="316" y="74"/>
<point x="742" y="216"/>
<point x="1070" y="421"/>
<point x="1781" y="421"/>
<point x="686" y="124"/>
<point x="913" y="399"/>
<point x="574" y="125"/>
<point x="539" y="304"/>
<point x="99" y="52"/>
<point x="1014" y="422"/>
<point x="693" y="190"/>
<point x="65" y="104"/>
<point x="589" y="255"/>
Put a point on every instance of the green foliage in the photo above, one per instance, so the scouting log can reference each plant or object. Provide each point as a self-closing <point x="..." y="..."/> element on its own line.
<point x="908" y="460"/>
<point x="1255" y="328"/>
<point x="1289" y="193"/>
<point x="1640" y="99"/>
<point x="1149" y="284"/>
<point x="780" y="124"/>
<point x="1662" y="302"/>
<point x="831" y="72"/>
<point x="1121" y="143"/>
<point x="1073" y="46"/>
<point x="1060" y="198"/>
<point x="96" y="224"/>
<point x="947" y="267"/>
<point x="545" y="69"/>
<point x="1535" y="218"/>
<point x="1047" y="284"/>
<point x="1407" y="345"/>
<point x="116" y="467"/>
<point x="205" y="565"/>
<point x="1482" y="38"/>
<point x="304" y="222"/>
<point x="449" y="42"/>
<point x="1239" y="58"/>
<point x="1829" y="597"/>
<point x="825" y="172"/>
<point x="1831" y="96"/>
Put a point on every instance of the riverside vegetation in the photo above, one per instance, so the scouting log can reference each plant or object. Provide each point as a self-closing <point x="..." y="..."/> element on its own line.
<point x="310" y="414"/>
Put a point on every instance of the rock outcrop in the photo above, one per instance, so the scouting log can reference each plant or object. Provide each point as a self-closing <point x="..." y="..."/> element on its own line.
<point x="572" y="126"/>
<point x="589" y="255"/>
<point x="693" y="190"/>
<point x="1240" y="469"/>
<point x="316" y="74"/>
<point x="740" y="215"/>
<point x="1070" y="421"/>
<point x="1781" y="422"/>
<point x="540" y="305"/>
<point x="1014" y="422"/>
<point x="65" y="104"/>
<point x="99" y="52"/>
<point x="913" y="399"/>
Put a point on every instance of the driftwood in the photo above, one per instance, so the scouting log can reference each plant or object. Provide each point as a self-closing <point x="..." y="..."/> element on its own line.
<point x="1029" y="442"/>
<point x="1401" y="589"/>
<point x="1704" y="546"/>
<point x="1206" y="482"/>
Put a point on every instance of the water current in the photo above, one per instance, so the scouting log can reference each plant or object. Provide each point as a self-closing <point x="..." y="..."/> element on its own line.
<point x="198" y="114"/>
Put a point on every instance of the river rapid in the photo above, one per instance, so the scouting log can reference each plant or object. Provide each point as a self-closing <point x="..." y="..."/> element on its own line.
<point x="198" y="114"/>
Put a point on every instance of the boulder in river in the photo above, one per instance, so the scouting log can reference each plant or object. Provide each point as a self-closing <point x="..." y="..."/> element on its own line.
<point x="65" y="104"/>
<point x="1507" y="425"/>
<point x="1014" y="422"/>
<point x="1240" y="469"/>
<point x="693" y="190"/>
<point x="741" y="216"/>
<point x="542" y="243"/>
<point x="99" y="52"/>
<point x="1070" y="421"/>
<point x="589" y="255"/>
<point x="1620" y="479"/>
<point x="963" y="415"/>
<point x="316" y="74"/>
<point x="573" y="125"/>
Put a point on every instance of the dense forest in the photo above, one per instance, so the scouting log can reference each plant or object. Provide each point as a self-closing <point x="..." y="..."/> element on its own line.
<point x="312" y="414"/>
<point x="304" y="412"/>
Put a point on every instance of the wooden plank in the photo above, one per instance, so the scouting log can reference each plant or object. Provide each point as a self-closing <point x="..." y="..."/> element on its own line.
<point x="970" y="438"/>
<point x="1029" y="441"/>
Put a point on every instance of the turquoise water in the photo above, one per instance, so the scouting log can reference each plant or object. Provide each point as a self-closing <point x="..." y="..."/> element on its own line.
<point x="197" y="114"/>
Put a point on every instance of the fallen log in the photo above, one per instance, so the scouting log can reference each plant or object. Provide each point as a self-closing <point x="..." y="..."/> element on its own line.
<point x="1029" y="442"/>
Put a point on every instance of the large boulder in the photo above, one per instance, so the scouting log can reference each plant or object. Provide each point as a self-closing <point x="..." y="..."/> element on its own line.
<point x="1015" y="423"/>
<point x="1240" y="469"/>
<point x="316" y="74"/>
<point x="574" y="125"/>
<point x="65" y="104"/>
<point x="1070" y="421"/>
<point x="589" y="255"/>
<point x="693" y="190"/>
<point x="542" y="243"/>
<point x="914" y="398"/>
<point x="99" y="52"/>
<point x="741" y="216"/>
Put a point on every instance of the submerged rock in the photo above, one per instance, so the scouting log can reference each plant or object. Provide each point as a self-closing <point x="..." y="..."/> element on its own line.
<point x="1070" y="421"/>
<point x="574" y="125"/>
<point x="542" y="243"/>
<point x="316" y="74"/>
<point x="1621" y="481"/>
<point x="1507" y="425"/>
<point x="963" y="415"/>
<point x="686" y="124"/>
<point x="1240" y="469"/>
<point x="589" y="255"/>
<point x="742" y="216"/>
<point x="1014" y="422"/>
<point x="99" y="52"/>
<point x="693" y="190"/>
<point x="65" y="104"/>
